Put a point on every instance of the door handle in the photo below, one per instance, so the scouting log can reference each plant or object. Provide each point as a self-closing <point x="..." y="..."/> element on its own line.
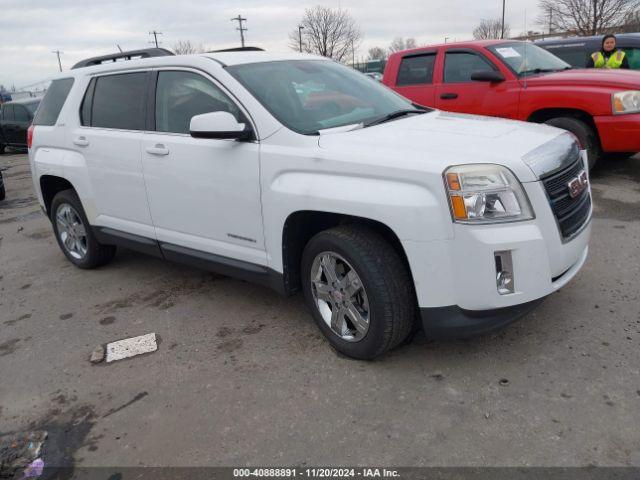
<point x="81" y="142"/>
<point x="158" y="149"/>
<point x="449" y="96"/>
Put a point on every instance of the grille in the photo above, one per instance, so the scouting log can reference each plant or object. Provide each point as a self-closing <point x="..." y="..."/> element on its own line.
<point x="571" y="213"/>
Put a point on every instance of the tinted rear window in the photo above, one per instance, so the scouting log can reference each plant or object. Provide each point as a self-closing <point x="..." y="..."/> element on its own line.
<point x="118" y="101"/>
<point x="576" y="56"/>
<point x="7" y="112"/>
<point x="53" y="101"/>
<point x="20" y="113"/>
<point x="416" y="70"/>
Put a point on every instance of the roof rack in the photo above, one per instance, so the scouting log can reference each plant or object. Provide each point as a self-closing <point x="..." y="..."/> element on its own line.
<point x="239" y="49"/>
<point x="132" y="54"/>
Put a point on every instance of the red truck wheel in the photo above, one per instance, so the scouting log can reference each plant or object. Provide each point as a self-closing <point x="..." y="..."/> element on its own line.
<point x="586" y="136"/>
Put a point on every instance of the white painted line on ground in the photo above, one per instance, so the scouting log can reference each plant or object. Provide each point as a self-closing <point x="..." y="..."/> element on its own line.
<point x="130" y="347"/>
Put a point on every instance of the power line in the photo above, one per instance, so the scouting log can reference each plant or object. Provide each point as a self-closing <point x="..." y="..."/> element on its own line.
<point x="58" y="52"/>
<point x="242" y="29"/>
<point x="155" y="37"/>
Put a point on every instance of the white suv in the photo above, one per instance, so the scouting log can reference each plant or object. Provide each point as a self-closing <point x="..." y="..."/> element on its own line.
<point x="302" y="174"/>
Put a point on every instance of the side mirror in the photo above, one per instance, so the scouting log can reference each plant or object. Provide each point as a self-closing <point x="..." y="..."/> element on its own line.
<point x="220" y="125"/>
<point x="487" y="76"/>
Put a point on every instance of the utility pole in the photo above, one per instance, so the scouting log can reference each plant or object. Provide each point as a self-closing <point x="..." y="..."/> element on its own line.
<point x="300" y="28"/>
<point x="155" y="37"/>
<point x="353" y="54"/>
<point x="242" y="29"/>
<point x="503" y="7"/>
<point x="58" y="52"/>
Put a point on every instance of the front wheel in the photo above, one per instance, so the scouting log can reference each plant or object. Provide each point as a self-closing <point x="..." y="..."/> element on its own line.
<point x="74" y="234"/>
<point x="359" y="291"/>
<point x="587" y="137"/>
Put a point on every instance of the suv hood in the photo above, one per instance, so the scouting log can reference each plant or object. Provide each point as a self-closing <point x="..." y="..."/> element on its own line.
<point x="436" y="140"/>
<point x="625" y="79"/>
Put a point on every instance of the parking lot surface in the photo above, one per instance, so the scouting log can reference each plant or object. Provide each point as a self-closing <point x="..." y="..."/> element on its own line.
<point x="242" y="376"/>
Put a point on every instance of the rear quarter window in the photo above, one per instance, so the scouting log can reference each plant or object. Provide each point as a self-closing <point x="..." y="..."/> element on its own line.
<point x="53" y="102"/>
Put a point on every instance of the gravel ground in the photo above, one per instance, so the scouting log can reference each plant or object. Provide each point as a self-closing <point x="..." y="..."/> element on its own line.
<point x="243" y="377"/>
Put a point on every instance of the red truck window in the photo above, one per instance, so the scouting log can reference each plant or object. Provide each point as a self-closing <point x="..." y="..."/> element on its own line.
<point x="459" y="66"/>
<point x="416" y="69"/>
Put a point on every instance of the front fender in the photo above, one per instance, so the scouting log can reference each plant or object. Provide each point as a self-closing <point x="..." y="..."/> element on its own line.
<point x="411" y="210"/>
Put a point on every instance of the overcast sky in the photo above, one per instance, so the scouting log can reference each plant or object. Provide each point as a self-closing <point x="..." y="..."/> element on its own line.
<point x="31" y="29"/>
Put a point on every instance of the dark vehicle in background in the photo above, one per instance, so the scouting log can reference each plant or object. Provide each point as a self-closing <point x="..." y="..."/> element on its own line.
<point x="15" y="118"/>
<point x="577" y="50"/>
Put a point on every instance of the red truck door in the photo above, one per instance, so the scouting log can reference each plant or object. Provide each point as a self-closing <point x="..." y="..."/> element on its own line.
<point x="457" y="92"/>
<point x="414" y="77"/>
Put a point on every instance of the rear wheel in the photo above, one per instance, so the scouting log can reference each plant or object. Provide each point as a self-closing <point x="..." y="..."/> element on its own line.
<point x="2" y="147"/>
<point x="3" y="191"/>
<point x="359" y="291"/>
<point x="74" y="234"/>
<point x="587" y="137"/>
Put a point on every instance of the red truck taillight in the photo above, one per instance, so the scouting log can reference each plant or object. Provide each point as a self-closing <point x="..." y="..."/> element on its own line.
<point x="30" y="136"/>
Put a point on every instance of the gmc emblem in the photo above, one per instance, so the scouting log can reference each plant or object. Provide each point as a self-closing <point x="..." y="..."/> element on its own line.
<point x="578" y="184"/>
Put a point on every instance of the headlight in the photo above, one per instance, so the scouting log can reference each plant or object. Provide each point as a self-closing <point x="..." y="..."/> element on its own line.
<point x="626" y="102"/>
<point x="486" y="194"/>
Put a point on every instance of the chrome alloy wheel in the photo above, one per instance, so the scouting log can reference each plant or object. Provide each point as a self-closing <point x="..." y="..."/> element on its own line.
<point x="340" y="296"/>
<point x="71" y="231"/>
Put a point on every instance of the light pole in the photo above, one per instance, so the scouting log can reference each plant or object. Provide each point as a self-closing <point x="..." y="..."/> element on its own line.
<point x="58" y="52"/>
<point x="445" y="39"/>
<point x="300" y="28"/>
<point x="503" y="7"/>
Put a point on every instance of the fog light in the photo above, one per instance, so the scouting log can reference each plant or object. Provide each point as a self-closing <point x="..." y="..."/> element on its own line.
<point x="504" y="273"/>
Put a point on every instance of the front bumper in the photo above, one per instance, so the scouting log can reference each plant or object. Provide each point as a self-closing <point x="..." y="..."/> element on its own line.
<point x="619" y="133"/>
<point x="455" y="278"/>
<point x="455" y="322"/>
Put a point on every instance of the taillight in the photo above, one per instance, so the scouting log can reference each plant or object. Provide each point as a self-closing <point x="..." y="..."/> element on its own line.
<point x="30" y="136"/>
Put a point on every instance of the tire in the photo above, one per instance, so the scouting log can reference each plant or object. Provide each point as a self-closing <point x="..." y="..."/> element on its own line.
<point x="2" y="146"/>
<point x="619" y="155"/>
<point x="3" y="191"/>
<point x="86" y="252"/>
<point x="381" y="278"/>
<point x="587" y="137"/>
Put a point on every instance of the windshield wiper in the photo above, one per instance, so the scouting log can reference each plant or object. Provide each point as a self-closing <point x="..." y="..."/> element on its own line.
<point x="392" y="116"/>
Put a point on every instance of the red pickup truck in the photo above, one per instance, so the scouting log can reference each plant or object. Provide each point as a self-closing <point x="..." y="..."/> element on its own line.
<point x="521" y="81"/>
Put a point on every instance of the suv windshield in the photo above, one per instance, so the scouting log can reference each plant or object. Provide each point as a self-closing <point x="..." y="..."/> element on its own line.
<point x="312" y="95"/>
<point x="526" y="59"/>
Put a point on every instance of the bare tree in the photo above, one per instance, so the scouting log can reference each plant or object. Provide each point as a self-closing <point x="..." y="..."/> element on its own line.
<point x="376" y="53"/>
<point x="185" y="47"/>
<point x="490" y="29"/>
<point x="330" y="32"/>
<point x="633" y="23"/>
<point x="400" y="43"/>
<point x="586" y="17"/>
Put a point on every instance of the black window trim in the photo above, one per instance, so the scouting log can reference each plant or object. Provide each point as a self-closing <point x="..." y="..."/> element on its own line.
<point x="464" y="50"/>
<point x="92" y="84"/>
<point x="425" y="53"/>
<point x="151" y="98"/>
<point x="88" y="96"/>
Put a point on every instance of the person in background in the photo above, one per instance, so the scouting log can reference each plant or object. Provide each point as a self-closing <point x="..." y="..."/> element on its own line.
<point x="609" y="56"/>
